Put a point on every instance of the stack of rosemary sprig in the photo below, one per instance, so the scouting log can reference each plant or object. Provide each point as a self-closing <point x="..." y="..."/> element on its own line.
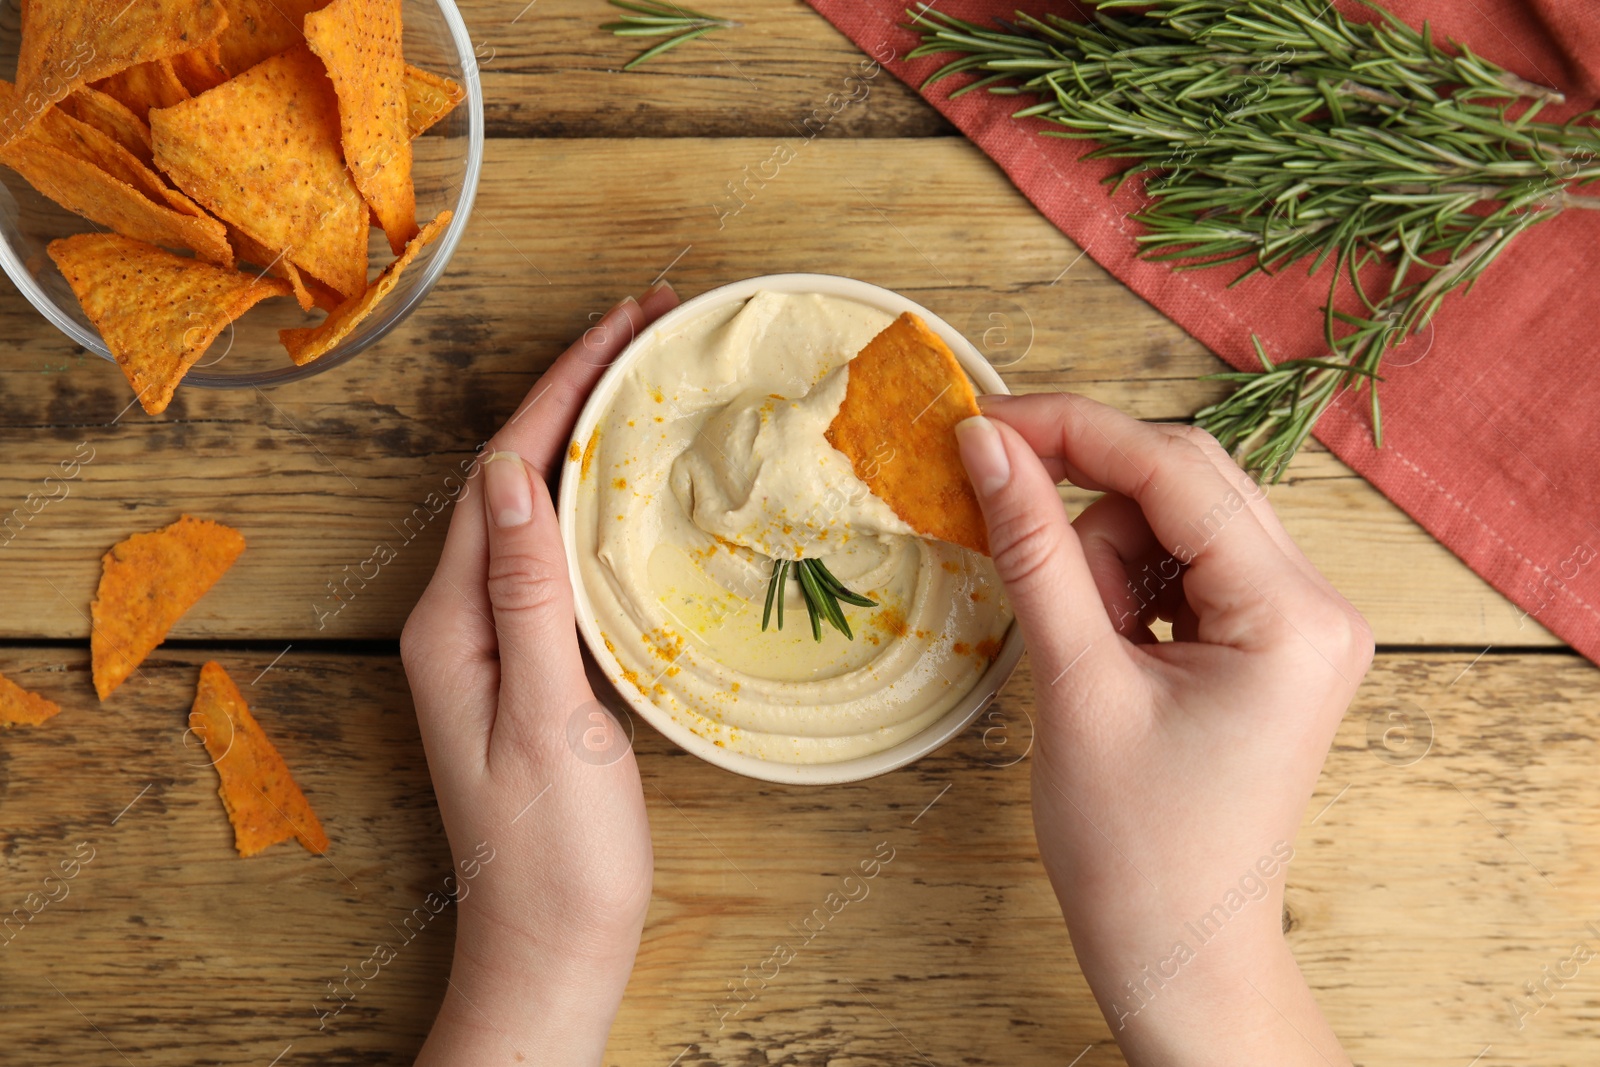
<point x="1275" y="131"/>
<point x="819" y="589"/>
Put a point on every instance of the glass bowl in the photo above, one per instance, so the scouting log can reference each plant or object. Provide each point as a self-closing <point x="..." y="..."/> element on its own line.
<point x="448" y="159"/>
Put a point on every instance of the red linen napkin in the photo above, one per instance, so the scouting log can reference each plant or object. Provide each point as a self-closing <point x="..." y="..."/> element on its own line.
<point x="1490" y="424"/>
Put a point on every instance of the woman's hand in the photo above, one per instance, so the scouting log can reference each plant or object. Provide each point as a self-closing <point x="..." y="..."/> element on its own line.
<point x="536" y="784"/>
<point x="1170" y="778"/>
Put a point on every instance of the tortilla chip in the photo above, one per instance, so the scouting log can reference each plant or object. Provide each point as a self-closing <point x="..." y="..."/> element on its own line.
<point x="65" y="45"/>
<point x="200" y="69"/>
<point x="105" y="182"/>
<point x="145" y="86"/>
<point x="358" y="42"/>
<point x="111" y="117"/>
<point x="261" y="28"/>
<point x="252" y="251"/>
<point x="260" y="796"/>
<point x="261" y="152"/>
<point x="306" y="343"/>
<point x="18" y="707"/>
<point x="322" y="295"/>
<point x="156" y="312"/>
<point x="86" y="189"/>
<point x="147" y="584"/>
<point x="429" y="98"/>
<point x="904" y="394"/>
<point x="57" y="129"/>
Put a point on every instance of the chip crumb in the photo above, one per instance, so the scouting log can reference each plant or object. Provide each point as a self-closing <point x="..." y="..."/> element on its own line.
<point x="18" y="707"/>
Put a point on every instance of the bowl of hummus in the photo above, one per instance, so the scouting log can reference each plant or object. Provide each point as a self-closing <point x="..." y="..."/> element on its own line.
<point x="737" y="574"/>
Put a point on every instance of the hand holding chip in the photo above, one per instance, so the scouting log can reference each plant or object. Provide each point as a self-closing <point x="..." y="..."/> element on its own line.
<point x="1170" y="777"/>
<point x="552" y="846"/>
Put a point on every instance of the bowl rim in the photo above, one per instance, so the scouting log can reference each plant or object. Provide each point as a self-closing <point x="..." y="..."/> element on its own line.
<point x="445" y="247"/>
<point x="913" y="748"/>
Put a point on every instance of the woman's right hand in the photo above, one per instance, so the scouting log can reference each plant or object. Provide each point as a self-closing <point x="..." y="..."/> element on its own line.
<point x="1169" y="778"/>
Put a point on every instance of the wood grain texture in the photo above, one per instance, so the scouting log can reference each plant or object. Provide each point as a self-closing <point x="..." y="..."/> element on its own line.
<point x="548" y="70"/>
<point x="1423" y="895"/>
<point x="319" y="474"/>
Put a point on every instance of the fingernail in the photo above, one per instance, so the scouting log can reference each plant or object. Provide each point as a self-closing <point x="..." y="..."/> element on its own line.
<point x="994" y="401"/>
<point x="984" y="454"/>
<point x="620" y="304"/>
<point x="507" y="491"/>
<point x="658" y="287"/>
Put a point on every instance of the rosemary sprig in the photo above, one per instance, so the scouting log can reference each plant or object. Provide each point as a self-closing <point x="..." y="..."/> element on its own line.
<point x="651" y="18"/>
<point x="1271" y="132"/>
<point x="821" y="592"/>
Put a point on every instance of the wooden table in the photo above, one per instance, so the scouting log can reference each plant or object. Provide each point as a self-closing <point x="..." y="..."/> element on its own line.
<point x="1426" y="892"/>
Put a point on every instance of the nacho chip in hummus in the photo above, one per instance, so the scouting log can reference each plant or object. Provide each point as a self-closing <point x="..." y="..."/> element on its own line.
<point x="903" y="397"/>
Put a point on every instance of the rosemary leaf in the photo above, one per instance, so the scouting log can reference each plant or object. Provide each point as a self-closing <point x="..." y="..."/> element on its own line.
<point x="772" y="590"/>
<point x="783" y="580"/>
<point x="811" y="596"/>
<point x="652" y="19"/>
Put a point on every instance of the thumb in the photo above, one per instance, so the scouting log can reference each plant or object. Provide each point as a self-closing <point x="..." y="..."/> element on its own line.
<point x="1037" y="554"/>
<point x="529" y="591"/>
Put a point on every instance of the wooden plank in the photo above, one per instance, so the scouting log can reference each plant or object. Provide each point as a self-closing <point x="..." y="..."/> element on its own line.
<point x="320" y="473"/>
<point x="175" y="949"/>
<point x="548" y="70"/>
<point x="1424" y="894"/>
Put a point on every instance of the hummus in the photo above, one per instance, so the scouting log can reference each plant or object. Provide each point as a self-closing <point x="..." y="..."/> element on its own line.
<point x="709" y="463"/>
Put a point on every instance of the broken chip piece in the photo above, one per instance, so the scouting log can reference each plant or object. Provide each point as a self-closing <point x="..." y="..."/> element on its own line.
<point x="429" y="98"/>
<point x="259" y="794"/>
<point x="306" y="343"/>
<point x="147" y="583"/>
<point x="156" y="312"/>
<point x="18" y="707"/>
<point x="904" y="395"/>
<point x="358" y="42"/>
<point x="262" y="152"/>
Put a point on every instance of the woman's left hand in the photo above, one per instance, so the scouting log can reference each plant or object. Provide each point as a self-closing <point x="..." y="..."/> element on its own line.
<point x="536" y="784"/>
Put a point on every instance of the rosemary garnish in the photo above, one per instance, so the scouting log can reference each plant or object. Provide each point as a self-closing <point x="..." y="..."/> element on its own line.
<point x="1273" y="131"/>
<point x="819" y="589"/>
<point x="656" y="19"/>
